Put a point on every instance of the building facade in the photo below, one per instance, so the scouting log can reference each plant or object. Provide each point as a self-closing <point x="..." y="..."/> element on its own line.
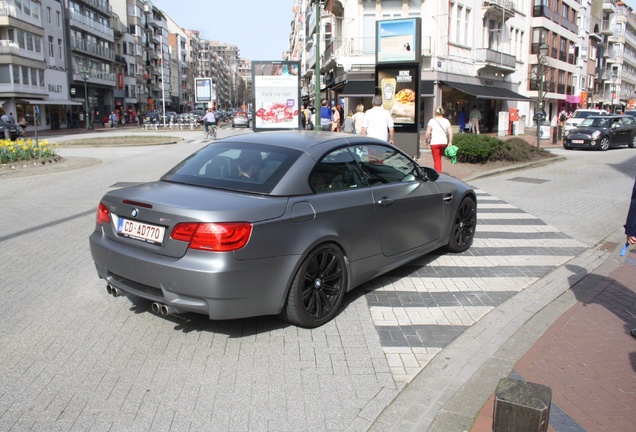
<point x="482" y="54"/>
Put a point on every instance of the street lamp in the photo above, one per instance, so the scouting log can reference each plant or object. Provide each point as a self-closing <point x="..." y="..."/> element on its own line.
<point x="85" y="75"/>
<point x="543" y="52"/>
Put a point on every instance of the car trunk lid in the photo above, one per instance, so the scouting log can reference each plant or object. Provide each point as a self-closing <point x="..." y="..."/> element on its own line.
<point x="144" y="216"/>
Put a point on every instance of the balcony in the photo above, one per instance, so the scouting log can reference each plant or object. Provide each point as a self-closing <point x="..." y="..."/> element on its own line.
<point x="498" y="8"/>
<point x="96" y="76"/>
<point x="83" y="22"/>
<point x="7" y="9"/>
<point x="9" y="47"/>
<point x="493" y="61"/>
<point x="609" y="6"/>
<point x="100" y="5"/>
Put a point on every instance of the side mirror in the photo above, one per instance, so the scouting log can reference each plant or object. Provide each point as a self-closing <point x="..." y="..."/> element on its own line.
<point x="427" y="173"/>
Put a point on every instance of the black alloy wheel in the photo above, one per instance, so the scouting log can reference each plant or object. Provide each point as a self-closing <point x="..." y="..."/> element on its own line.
<point x="318" y="288"/>
<point x="464" y="226"/>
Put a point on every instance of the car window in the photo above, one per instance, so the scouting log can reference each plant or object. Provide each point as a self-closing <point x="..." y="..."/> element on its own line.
<point x="338" y="170"/>
<point x="382" y="165"/>
<point x="235" y="166"/>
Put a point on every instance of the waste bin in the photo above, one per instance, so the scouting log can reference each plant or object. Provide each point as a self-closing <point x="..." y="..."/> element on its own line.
<point x="544" y="131"/>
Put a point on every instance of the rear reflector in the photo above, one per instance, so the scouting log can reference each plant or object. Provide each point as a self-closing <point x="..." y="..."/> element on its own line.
<point x="219" y="237"/>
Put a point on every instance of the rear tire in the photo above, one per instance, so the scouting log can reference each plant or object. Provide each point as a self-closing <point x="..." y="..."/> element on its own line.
<point x="464" y="226"/>
<point x="318" y="288"/>
<point x="632" y="142"/>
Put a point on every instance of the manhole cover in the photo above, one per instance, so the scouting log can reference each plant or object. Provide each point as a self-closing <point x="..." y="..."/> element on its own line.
<point x="528" y="180"/>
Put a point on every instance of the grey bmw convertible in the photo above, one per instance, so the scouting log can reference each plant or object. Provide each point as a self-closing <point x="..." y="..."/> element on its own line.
<point x="276" y="223"/>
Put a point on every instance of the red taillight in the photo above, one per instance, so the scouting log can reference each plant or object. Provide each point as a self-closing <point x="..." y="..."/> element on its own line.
<point x="103" y="215"/>
<point x="220" y="237"/>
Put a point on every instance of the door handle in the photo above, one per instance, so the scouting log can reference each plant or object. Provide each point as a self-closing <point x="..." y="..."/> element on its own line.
<point x="385" y="201"/>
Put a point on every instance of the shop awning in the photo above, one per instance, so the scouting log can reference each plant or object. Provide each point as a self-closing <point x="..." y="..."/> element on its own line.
<point x="484" y="92"/>
<point x="358" y="89"/>
<point x="51" y="102"/>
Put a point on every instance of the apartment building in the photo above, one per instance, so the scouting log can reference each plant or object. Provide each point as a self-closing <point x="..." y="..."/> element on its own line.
<point x="617" y="65"/>
<point x="91" y="55"/>
<point x="482" y="54"/>
<point x="22" y="65"/>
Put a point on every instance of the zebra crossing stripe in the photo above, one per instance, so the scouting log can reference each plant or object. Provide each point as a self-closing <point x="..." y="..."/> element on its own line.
<point x="419" y="308"/>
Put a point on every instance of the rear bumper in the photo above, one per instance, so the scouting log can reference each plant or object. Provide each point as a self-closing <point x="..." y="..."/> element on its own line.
<point x="214" y="284"/>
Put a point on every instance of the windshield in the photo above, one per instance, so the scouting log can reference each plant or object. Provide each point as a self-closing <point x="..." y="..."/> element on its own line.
<point x="244" y="167"/>
<point x="599" y="122"/>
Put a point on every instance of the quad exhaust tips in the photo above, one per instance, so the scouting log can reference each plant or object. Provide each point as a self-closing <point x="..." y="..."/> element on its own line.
<point x="162" y="309"/>
<point x="115" y="292"/>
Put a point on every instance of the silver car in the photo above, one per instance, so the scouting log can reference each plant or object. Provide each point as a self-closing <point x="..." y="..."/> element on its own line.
<point x="276" y="223"/>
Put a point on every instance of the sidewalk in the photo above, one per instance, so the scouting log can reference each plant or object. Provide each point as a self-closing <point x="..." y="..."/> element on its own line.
<point x="588" y="358"/>
<point x="587" y="355"/>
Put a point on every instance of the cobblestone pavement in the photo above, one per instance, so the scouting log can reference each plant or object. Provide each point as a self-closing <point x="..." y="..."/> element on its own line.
<point x="75" y="358"/>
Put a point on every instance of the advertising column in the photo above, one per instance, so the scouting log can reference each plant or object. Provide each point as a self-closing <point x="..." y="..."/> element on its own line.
<point x="397" y="74"/>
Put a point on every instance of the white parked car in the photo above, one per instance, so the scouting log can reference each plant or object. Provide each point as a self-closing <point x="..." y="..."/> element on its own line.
<point x="579" y="115"/>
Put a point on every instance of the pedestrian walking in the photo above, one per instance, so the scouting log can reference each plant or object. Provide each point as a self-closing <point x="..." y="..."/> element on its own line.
<point x="325" y="116"/>
<point x="335" y="119"/>
<point x="475" y="118"/>
<point x="439" y="134"/>
<point x="113" y="120"/>
<point x="377" y="122"/>
<point x="348" y="125"/>
<point x="357" y="119"/>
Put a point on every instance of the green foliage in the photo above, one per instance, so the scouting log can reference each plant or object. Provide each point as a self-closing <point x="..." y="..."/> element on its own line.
<point x="480" y="149"/>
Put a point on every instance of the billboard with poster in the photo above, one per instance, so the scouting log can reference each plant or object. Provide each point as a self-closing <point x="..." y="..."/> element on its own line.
<point x="398" y="41"/>
<point x="276" y="95"/>
<point x="204" y="90"/>
<point x="399" y="88"/>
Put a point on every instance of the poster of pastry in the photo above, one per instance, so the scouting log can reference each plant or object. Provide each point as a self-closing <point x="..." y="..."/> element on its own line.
<point x="276" y="95"/>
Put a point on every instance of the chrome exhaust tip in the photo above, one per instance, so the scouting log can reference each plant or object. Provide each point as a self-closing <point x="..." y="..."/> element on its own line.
<point x="156" y="308"/>
<point x="109" y="289"/>
<point x="115" y="292"/>
<point x="166" y="310"/>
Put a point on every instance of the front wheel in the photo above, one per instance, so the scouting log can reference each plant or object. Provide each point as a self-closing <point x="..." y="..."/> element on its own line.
<point x="318" y="288"/>
<point x="632" y="142"/>
<point x="603" y="145"/>
<point x="464" y="225"/>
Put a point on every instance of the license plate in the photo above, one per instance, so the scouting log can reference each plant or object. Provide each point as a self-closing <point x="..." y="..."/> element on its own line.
<point x="577" y="141"/>
<point x="141" y="231"/>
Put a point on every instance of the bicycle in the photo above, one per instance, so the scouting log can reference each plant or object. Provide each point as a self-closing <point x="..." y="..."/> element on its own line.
<point x="211" y="132"/>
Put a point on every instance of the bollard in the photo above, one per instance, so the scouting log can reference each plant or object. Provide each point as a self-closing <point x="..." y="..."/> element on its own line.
<point x="554" y="135"/>
<point x="521" y="407"/>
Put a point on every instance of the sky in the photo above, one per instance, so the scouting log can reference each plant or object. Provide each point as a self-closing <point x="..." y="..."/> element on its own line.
<point x="259" y="28"/>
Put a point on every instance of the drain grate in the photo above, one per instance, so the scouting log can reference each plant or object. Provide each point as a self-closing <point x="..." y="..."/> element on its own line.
<point x="529" y="180"/>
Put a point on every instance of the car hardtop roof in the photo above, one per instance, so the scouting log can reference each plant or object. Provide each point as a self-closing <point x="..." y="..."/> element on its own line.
<point x="301" y="140"/>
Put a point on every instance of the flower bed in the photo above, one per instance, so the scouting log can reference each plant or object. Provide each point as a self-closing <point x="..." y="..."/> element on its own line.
<point x="24" y="150"/>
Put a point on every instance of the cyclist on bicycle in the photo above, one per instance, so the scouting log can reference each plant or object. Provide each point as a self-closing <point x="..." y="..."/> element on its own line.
<point x="209" y="119"/>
